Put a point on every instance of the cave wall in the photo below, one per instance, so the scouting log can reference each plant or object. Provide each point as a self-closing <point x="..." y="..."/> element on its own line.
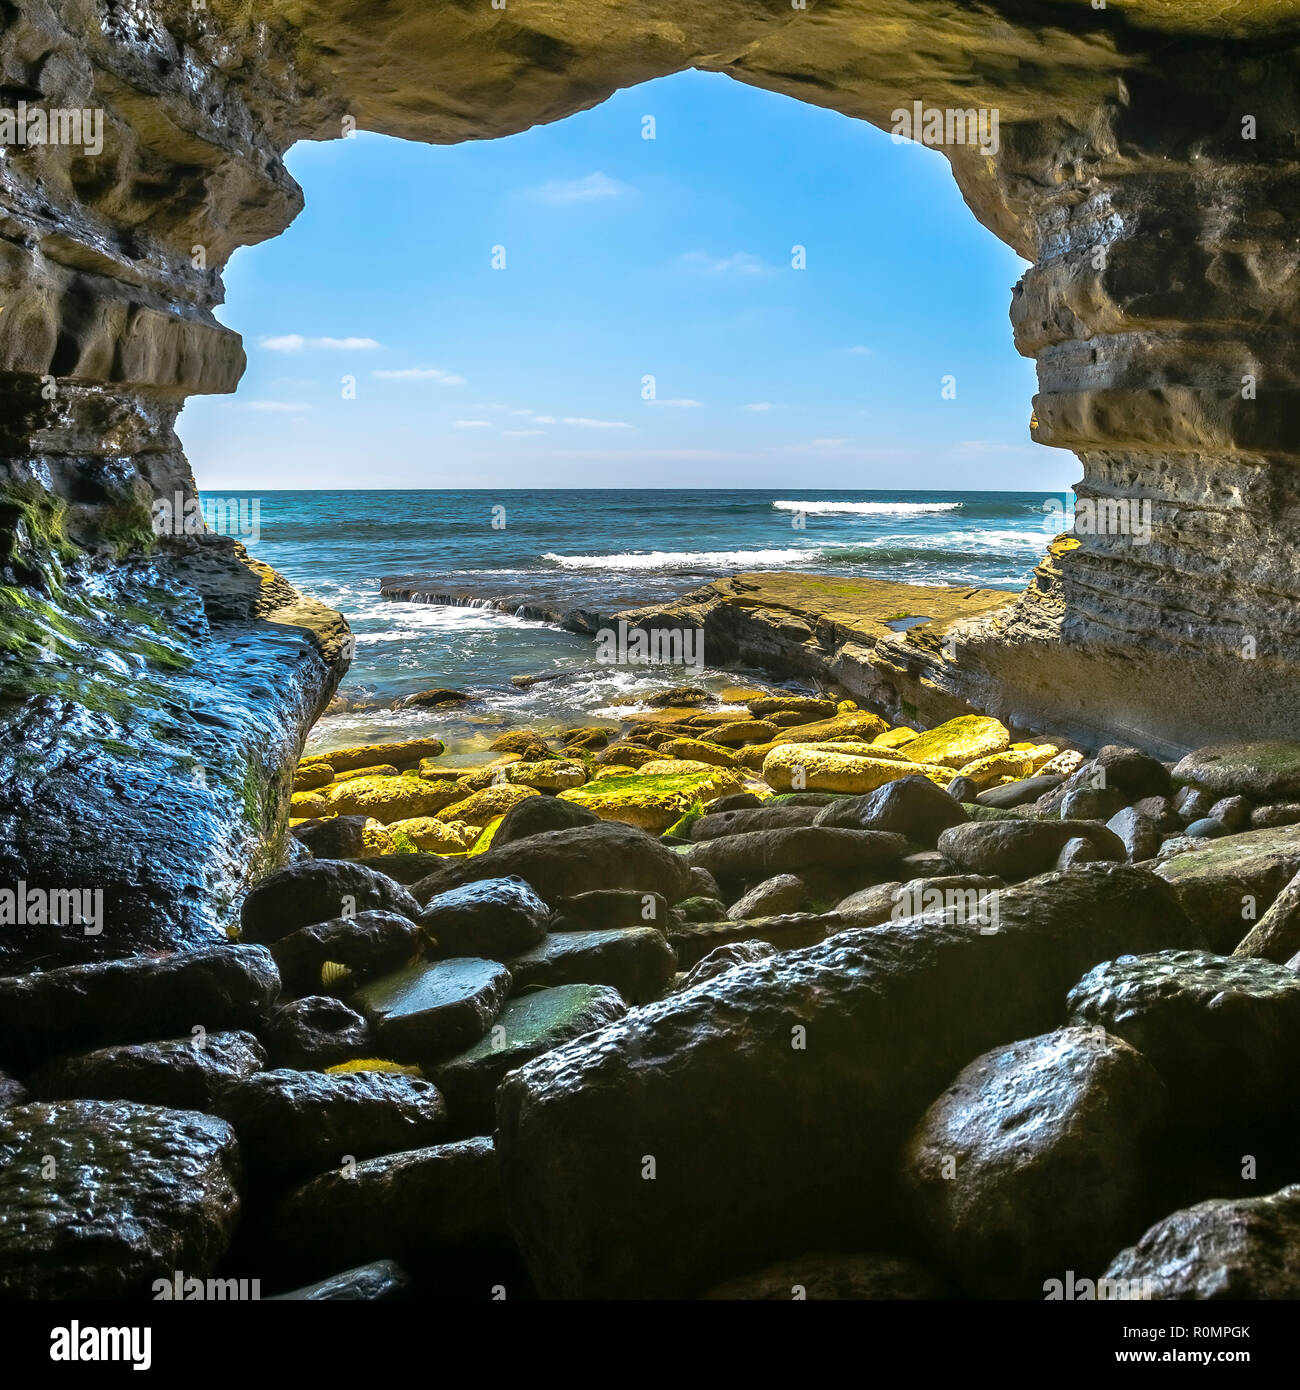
<point x="1146" y="165"/>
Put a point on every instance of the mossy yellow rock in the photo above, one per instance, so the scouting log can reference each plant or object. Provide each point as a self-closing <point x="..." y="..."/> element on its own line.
<point x="824" y="730"/>
<point x="697" y="750"/>
<point x="308" y="778"/>
<point x="816" y="768"/>
<point x="480" y="807"/>
<point x="434" y="835"/>
<point x="960" y="741"/>
<point x="895" y="738"/>
<point x="548" y="775"/>
<point x="673" y="767"/>
<point x="653" y="802"/>
<point x="988" y="772"/>
<point x="1039" y="754"/>
<point x="410" y="750"/>
<point x="385" y="799"/>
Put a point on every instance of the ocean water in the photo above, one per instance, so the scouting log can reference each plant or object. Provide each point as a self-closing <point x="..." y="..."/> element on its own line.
<point x="599" y="550"/>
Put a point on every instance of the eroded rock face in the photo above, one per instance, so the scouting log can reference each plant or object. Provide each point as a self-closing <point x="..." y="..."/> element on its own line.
<point x="785" y="1056"/>
<point x="136" y="1193"/>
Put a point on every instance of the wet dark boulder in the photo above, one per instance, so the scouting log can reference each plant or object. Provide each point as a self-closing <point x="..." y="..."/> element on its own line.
<point x="724" y="958"/>
<point x="431" y="1010"/>
<point x="184" y="1073"/>
<point x="1021" y="793"/>
<point x="781" y="893"/>
<point x="604" y="909"/>
<point x="637" y="961"/>
<point x="369" y="944"/>
<point x="1015" y="849"/>
<point x="779" y="817"/>
<point x="560" y="864"/>
<point x="299" y="1122"/>
<point x="337" y="837"/>
<point x="525" y="1028"/>
<point x="376" y="1282"/>
<point x="75" y="1007"/>
<point x="494" y="918"/>
<point x="1243" y="1248"/>
<point x="538" y="815"/>
<point x="911" y="806"/>
<point x="1222" y="1031"/>
<point x="437" y="1210"/>
<point x="1276" y="936"/>
<point x="134" y="1193"/>
<point x="785" y="1057"/>
<point x="314" y="1032"/>
<point x="1140" y="833"/>
<point x="318" y="890"/>
<point x="762" y="853"/>
<point x="1036" y="1160"/>
<point x="1134" y="773"/>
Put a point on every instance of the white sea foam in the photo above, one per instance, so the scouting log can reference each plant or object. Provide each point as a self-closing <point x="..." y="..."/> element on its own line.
<point x="866" y="508"/>
<point x="680" y="559"/>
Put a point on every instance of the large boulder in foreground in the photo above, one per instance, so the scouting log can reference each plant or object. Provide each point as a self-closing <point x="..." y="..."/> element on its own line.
<point x="1247" y="1248"/>
<point x="563" y="863"/>
<point x="135" y="1192"/>
<point x="1036" y="1160"/>
<point x="797" y="1074"/>
<point x="1222" y="1031"/>
<point x="135" y="1000"/>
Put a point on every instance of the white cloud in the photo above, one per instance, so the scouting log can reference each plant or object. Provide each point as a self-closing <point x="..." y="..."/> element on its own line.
<point x="738" y="263"/>
<point x="421" y="374"/>
<point x="295" y="342"/>
<point x="858" y="351"/>
<point x="473" y="424"/>
<point x="545" y="420"/>
<point x="760" y="405"/>
<point x="676" y="405"/>
<point x="583" y="422"/>
<point x="591" y="188"/>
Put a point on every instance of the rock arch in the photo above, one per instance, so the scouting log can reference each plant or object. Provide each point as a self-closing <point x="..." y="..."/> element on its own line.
<point x="1146" y="165"/>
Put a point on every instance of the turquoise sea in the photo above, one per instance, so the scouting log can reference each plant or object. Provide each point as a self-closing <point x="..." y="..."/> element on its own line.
<point x="600" y="550"/>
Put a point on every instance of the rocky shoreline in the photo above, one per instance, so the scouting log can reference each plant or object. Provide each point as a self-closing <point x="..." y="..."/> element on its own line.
<point x="745" y="996"/>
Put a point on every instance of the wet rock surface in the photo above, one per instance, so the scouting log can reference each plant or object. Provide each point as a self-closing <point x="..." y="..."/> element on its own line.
<point x="296" y="1122"/>
<point x="495" y="917"/>
<point x="581" y="1120"/>
<point x="183" y="1073"/>
<point x="1222" y="1031"/>
<point x="135" y="1192"/>
<point x="1036" y="1160"/>
<point x="430" y="1010"/>
<point x="526" y="1027"/>
<point x="83" y="1006"/>
<point x="301" y="895"/>
<point x="1243" y="1249"/>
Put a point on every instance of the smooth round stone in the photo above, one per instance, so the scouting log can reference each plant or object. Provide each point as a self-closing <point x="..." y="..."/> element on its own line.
<point x="1207" y="828"/>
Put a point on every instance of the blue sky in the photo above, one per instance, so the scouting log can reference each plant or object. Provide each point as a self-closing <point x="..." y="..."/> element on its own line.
<point x="626" y="258"/>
